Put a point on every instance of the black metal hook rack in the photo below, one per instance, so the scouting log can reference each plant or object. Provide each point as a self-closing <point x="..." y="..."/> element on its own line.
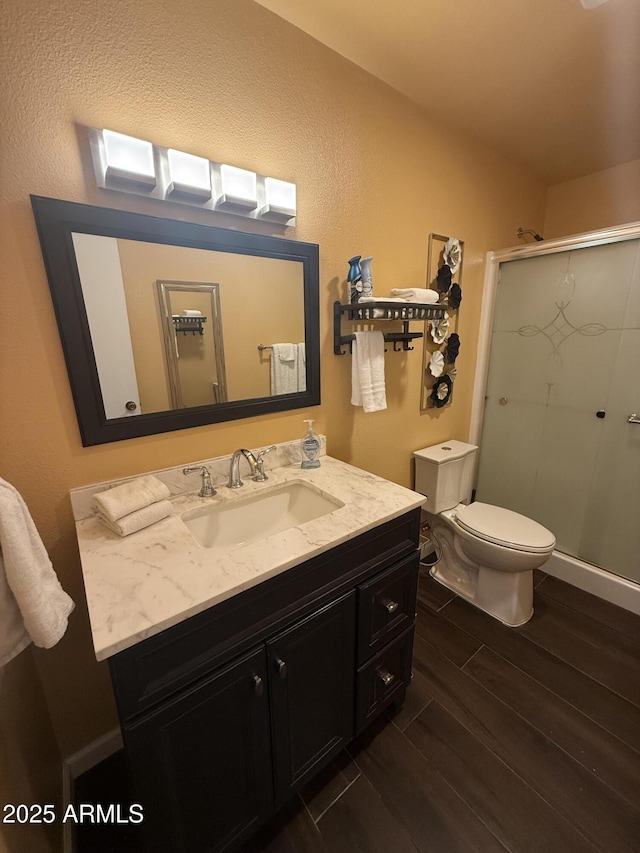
<point x="367" y="312"/>
<point x="189" y="324"/>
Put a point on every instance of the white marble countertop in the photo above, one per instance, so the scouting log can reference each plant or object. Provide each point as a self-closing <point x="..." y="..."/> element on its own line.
<point x="139" y="585"/>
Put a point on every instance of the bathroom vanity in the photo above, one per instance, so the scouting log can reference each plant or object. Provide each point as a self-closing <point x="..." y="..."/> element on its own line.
<point x="288" y="648"/>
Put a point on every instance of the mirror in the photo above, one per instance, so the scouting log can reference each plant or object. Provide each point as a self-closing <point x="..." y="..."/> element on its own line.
<point x="167" y="324"/>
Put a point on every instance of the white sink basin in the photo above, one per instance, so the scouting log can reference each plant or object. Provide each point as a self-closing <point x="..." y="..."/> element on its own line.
<point x="260" y="515"/>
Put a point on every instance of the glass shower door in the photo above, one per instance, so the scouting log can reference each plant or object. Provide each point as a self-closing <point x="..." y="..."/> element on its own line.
<point x="563" y="379"/>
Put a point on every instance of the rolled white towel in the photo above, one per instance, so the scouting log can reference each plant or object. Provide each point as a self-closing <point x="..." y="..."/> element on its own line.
<point x="191" y="312"/>
<point x="129" y="497"/>
<point x="139" y="519"/>
<point x="417" y="294"/>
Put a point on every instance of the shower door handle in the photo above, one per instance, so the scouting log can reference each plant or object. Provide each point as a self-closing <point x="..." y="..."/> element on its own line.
<point x="633" y="419"/>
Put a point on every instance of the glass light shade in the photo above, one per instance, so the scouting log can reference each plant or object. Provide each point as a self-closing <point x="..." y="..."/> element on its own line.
<point x="188" y="170"/>
<point x="128" y="158"/>
<point x="280" y="194"/>
<point x="188" y="175"/>
<point x="239" y="187"/>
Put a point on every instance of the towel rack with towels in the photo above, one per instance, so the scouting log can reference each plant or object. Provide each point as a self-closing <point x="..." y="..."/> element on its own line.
<point x="364" y="312"/>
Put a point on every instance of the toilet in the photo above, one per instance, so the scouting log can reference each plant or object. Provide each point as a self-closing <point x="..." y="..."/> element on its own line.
<point x="487" y="553"/>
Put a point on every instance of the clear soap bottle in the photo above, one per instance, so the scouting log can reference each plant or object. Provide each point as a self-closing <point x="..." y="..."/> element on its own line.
<point x="310" y="447"/>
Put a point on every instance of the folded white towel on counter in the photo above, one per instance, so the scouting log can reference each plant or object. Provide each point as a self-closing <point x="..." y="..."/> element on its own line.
<point x="33" y="605"/>
<point x="191" y="312"/>
<point x="416" y="294"/>
<point x="131" y="496"/>
<point x="139" y="519"/>
<point x="367" y="372"/>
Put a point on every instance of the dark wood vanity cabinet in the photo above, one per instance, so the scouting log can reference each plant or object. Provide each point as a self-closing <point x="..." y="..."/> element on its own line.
<point x="226" y="715"/>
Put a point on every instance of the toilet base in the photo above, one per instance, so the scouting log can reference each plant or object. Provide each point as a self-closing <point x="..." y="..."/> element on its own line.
<point x="506" y="596"/>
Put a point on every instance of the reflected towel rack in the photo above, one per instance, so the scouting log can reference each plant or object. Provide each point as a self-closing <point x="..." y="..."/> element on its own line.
<point x="186" y="324"/>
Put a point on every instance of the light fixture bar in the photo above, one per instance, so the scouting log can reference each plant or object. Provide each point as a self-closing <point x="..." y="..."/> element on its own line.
<point x="127" y="164"/>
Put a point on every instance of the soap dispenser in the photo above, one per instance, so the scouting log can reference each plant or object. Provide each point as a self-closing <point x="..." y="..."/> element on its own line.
<point x="310" y="447"/>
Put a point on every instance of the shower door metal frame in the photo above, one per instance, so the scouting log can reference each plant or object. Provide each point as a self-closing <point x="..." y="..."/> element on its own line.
<point x="630" y="231"/>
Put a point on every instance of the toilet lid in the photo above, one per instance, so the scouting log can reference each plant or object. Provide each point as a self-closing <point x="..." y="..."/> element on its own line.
<point x="504" y="527"/>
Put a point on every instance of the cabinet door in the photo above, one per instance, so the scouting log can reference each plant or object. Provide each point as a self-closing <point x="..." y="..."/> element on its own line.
<point x="202" y="761"/>
<point x="311" y="684"/>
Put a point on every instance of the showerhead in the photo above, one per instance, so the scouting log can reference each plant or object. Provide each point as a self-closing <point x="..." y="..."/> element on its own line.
<point x="522" y="231"/>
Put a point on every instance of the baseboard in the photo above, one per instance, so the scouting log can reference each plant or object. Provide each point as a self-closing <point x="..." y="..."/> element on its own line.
<point x="77" y="764"/>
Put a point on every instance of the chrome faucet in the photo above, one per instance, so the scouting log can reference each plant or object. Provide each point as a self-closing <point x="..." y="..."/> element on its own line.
<point x="206" y="489"/>
<point x="234" y="469"/>
<point x="257" y="466"/>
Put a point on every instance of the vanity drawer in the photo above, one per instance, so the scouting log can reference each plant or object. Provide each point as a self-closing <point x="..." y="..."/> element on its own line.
<point x="387" y="605"/>
<point x="383" y="679"/>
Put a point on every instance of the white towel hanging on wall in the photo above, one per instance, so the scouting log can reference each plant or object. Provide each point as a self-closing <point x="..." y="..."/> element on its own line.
<point x="367" y="372"/>
<point x="33" y="605"/>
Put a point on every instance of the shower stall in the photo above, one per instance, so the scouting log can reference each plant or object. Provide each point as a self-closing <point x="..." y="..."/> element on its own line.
<point x="557" y="402"/>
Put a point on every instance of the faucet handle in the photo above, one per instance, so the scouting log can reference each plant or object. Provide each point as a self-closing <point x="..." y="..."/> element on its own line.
<point x="260" y="476"/>
<point x="206" y="489"/>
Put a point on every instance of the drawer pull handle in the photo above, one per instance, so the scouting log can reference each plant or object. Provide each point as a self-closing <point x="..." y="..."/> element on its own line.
<point x="386" y="677"/>
<point x="258" y="685"/>
<point x="281" y="667"/>
<point x="389" y="605"/>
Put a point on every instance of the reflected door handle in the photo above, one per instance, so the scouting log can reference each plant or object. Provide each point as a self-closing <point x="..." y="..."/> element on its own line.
<point x="633" y="419"/>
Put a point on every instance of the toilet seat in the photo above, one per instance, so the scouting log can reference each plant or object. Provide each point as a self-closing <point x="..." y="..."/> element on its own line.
<point x="503" y="527"/>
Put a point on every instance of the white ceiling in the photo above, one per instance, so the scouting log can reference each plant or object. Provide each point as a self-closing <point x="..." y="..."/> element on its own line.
<point x="548" y="83"/>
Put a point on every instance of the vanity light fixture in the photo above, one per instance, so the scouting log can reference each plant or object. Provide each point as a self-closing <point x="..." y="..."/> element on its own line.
<point x="189" y="176"/>
<point x="133" y="165"/>
<point x="121" y="159"/>
<point x="280" y="200"/>
<point x="239" y="188"/>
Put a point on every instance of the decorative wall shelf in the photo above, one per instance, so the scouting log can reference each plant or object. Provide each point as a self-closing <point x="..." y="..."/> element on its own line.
<point x="368" y="312"/>
<point x="189" y="324"/>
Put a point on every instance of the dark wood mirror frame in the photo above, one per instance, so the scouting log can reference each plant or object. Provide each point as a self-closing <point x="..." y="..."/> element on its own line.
<point x="56" y="222"/>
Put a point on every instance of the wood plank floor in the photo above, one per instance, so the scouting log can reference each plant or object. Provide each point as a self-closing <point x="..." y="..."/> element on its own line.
<point x="521" y="740"/>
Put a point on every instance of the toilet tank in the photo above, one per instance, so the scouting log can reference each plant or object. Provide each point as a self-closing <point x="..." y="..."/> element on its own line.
<point x="444" y="473"/>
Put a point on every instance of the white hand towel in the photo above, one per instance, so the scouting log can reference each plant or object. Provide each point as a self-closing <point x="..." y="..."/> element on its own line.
<point x="367" y="372"/>
<point x="285" y="352"/>
<point x="139" y="519"/>
<point x="302" y="367"/>
<point x="416" y="294"/>
<point x="33" y="605"/>
<point x="128" y="497"/>
<point x="284" y="369"/>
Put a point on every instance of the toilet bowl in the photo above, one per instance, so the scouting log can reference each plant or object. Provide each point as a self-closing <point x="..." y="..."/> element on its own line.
<point x="487" y="553"/>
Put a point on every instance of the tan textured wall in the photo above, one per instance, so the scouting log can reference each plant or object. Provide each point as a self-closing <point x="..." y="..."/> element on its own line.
<point x="601" y="200"/>
<point x="29" y="761"/>
<point x="230" y="81"/>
